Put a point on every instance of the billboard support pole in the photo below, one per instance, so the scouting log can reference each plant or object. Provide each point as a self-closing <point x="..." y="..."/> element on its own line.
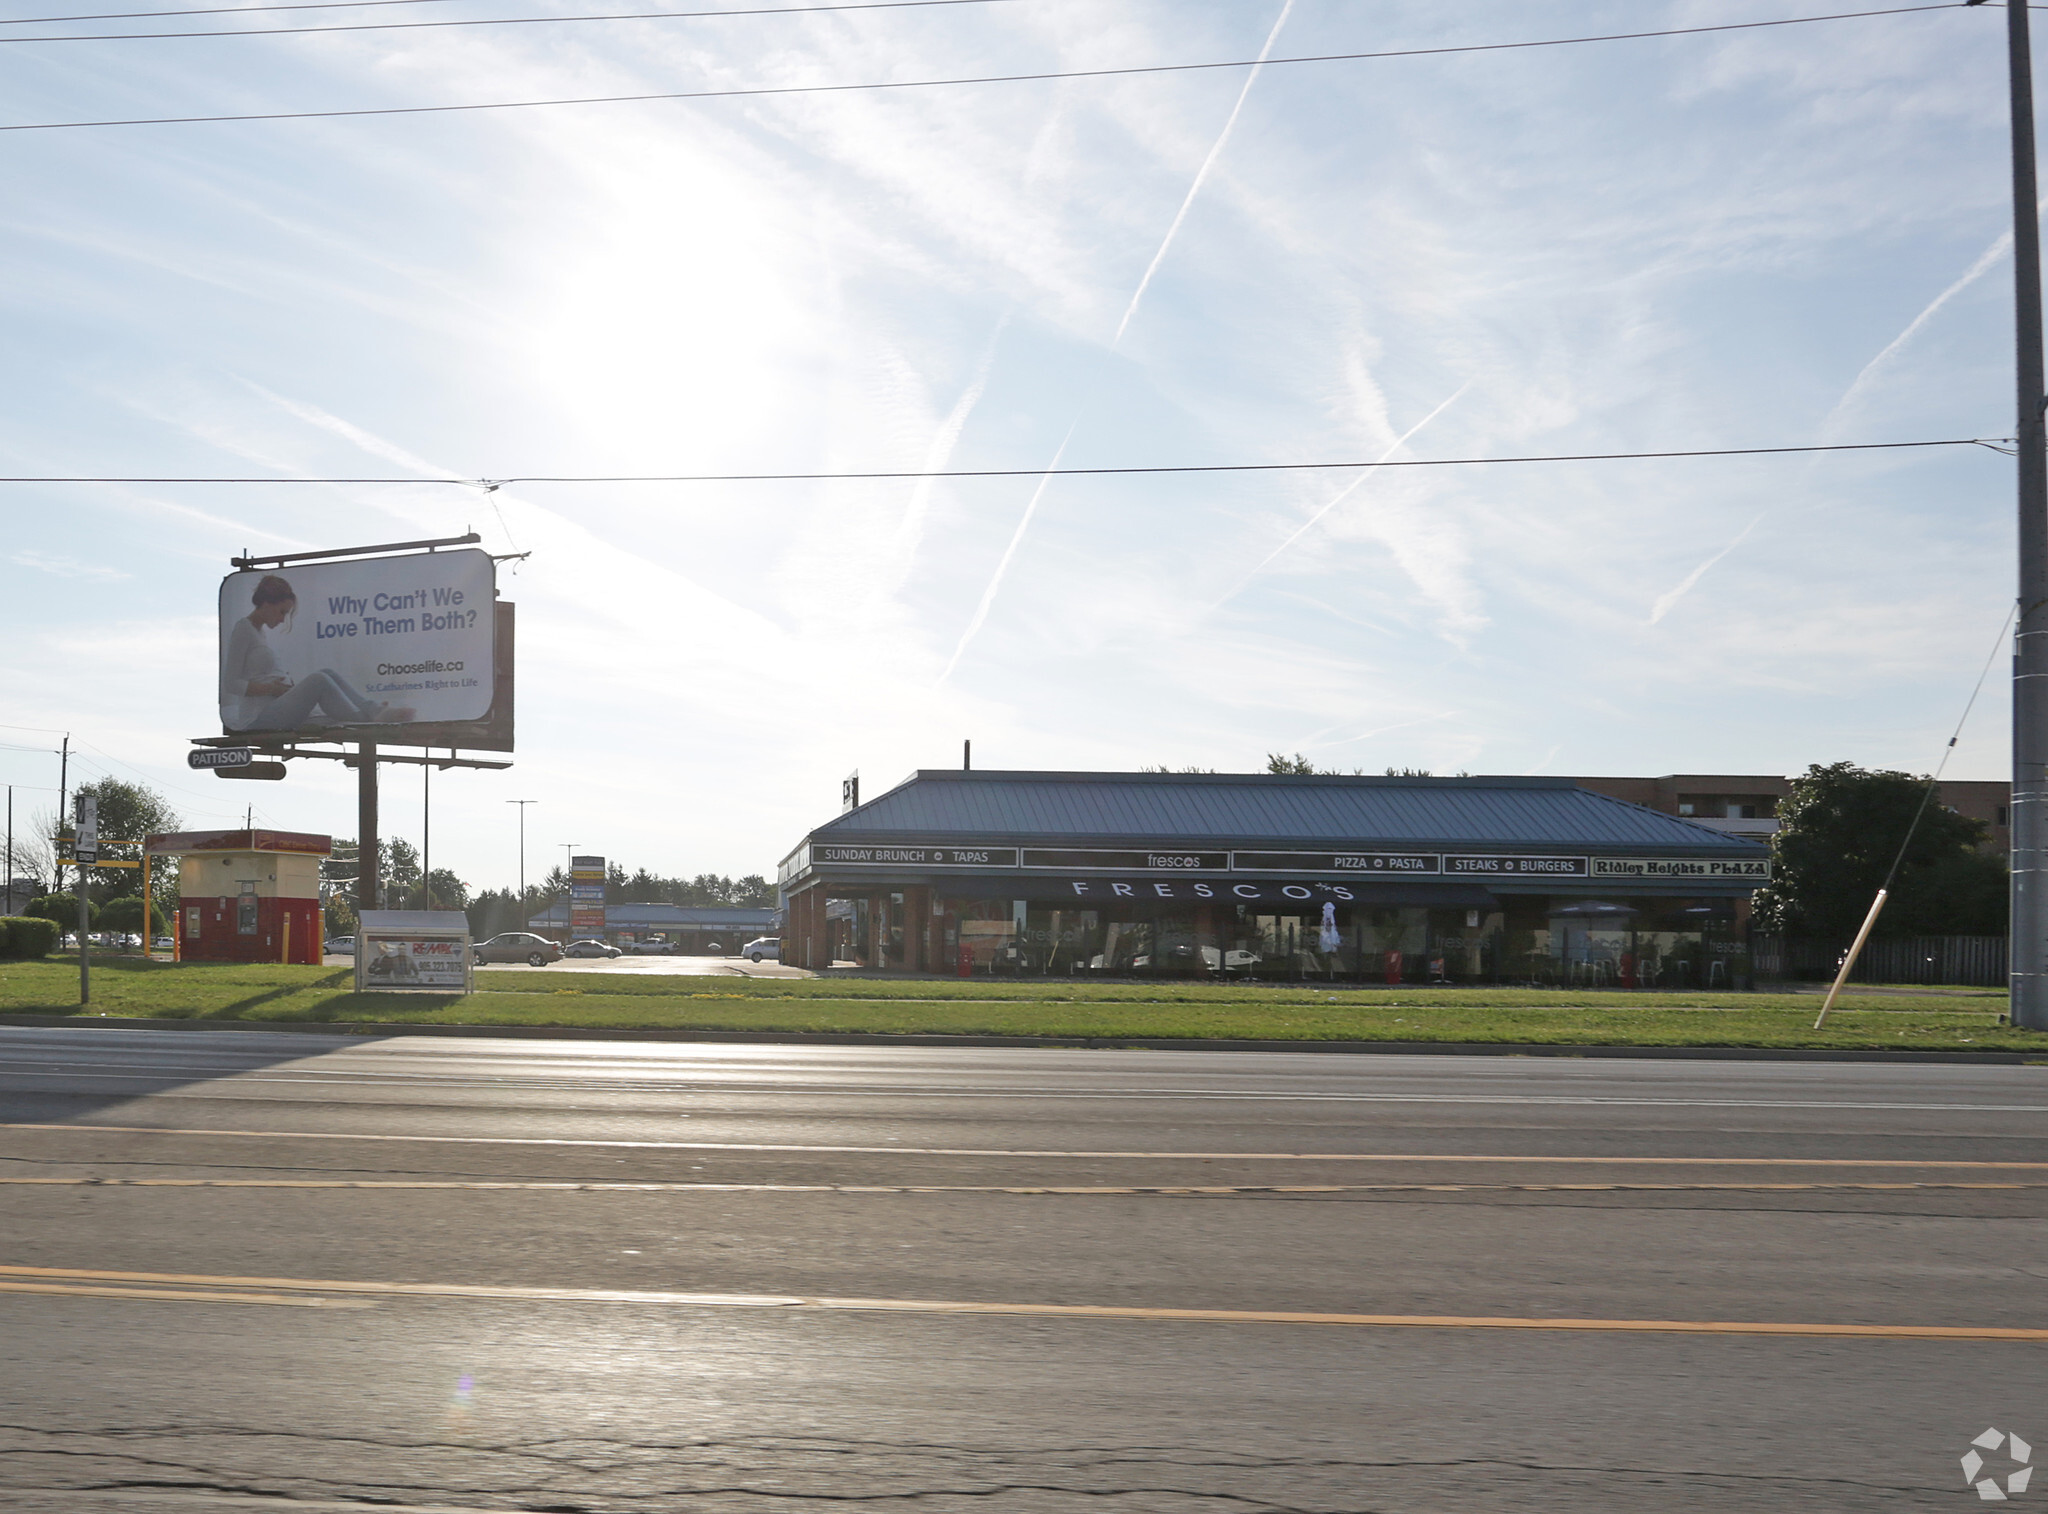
<point x="366" y="826"/>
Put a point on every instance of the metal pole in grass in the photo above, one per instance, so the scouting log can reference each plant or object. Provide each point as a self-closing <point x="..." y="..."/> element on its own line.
<point x="2029" y="924"/>
<point x="1884" y="890"/>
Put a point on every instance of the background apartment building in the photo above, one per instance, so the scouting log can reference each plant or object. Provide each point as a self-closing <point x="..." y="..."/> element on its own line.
<point x="1747" y="805"/>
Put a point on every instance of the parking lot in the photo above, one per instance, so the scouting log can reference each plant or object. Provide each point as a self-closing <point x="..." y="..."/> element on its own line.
<point x="659" y="967"/>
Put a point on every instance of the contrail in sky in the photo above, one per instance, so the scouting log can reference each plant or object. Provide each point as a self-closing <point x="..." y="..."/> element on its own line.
<point x="1346" y="493"/>
<point x="1993" y="255"/>
<point x="988" y="595"/>
<point x="1663" y="606"/>
<point x="1201" y="174"/>
<point x="910" y="529"/>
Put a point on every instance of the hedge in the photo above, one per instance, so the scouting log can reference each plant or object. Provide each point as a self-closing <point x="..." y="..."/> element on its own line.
<point x="23" y="938"/>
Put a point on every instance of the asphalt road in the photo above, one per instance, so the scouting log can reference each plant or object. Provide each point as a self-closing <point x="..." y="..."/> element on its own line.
<point x="423" y="1273"/>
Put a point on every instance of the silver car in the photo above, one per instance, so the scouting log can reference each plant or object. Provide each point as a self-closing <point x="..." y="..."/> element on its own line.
<point x="519" y="946"/>
<point x="590" y="946"/>
<point x="763" y="947"/>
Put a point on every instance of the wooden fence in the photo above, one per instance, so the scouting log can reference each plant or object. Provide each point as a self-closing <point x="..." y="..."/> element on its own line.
<point x="1979" y="961"/>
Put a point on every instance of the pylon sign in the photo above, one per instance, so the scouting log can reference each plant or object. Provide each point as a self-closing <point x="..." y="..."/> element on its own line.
<point x="586" y="897"/>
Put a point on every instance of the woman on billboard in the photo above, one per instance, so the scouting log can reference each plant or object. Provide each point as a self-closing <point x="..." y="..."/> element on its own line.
<point x="257" y="695"/>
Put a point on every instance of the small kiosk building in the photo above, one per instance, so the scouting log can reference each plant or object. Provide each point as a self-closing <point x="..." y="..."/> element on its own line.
<point x="247" y="896"/>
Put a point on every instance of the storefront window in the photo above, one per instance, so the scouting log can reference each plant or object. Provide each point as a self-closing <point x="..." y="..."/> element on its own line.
<point x="1557" y="941"/>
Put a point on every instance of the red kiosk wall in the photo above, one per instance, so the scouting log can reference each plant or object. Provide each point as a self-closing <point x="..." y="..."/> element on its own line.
<point x="217" y="935"/>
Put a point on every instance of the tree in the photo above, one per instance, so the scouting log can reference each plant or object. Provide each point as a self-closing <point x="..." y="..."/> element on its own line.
<point x="441" y="889"/>
<point x="127" y="812"/>
<point x="62" y="908"/>
<point x="398" y="867"/>
<point x="125" y="914"/>
<point x="1840" y="828"/>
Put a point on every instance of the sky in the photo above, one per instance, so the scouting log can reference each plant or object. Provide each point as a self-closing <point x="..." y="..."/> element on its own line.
<point x="1772" y="237"/>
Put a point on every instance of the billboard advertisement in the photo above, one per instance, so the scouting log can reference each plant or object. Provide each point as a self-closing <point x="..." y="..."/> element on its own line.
<point x="391" y="648"/>
<point x="586" y="898"/>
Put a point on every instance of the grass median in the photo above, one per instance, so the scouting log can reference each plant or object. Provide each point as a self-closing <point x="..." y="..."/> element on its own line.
<point x="562" y="996"/>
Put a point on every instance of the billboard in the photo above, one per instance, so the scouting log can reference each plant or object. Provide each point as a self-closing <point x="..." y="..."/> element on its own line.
<point x="385" y="648"/>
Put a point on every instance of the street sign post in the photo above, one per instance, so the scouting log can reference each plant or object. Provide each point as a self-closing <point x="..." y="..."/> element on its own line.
<point x="220" y="757"/>
<point x="271" y="772"/>
<point x="85" y="850"/>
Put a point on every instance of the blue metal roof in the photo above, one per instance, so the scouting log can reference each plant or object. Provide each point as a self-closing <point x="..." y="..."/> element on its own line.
<point x="1246" y="809"/>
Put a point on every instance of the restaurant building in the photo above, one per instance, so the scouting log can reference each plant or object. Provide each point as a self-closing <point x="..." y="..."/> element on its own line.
<point x="1396" y="880"/>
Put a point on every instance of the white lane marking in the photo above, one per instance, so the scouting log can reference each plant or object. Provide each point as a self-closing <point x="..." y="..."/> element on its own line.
<point x="971" y="1151"/>
<point x="927" y="1092"/>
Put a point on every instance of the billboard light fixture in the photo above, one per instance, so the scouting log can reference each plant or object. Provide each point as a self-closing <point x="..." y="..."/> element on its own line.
<point x="246" y="562"/>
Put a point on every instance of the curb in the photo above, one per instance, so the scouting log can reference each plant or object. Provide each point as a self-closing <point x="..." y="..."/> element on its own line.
<point x="1096" y="1043"/>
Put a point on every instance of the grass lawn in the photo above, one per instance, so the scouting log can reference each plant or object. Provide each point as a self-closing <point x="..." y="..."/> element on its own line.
<point x="129" y="987"/>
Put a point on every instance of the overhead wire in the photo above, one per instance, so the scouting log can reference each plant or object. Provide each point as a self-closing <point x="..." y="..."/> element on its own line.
<point x="493" y="484"/>
<point x="760" y="91"/>
<point x="386" y="26"/>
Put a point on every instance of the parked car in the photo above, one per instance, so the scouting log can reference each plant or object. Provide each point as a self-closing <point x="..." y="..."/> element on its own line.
<point x="519" y="946"/>
<point x="590" y="946"/>
<point x="654" y="946"/>
<point x="163" y="944"/>
<point x="762" y="946"/>
<point x="340" y="946"/>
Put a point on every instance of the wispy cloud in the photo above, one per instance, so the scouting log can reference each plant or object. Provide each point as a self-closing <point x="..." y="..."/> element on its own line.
<point x="66" y="567"/>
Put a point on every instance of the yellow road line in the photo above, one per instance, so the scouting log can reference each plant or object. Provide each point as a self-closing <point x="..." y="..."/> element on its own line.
<point x="1183" y="1191"/>
<point x="973" y="1151"/>
<point x="185" y="1296"/>
<point x="1045" y="1311"/>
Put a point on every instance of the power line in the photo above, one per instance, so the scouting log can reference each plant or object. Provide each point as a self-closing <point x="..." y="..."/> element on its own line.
<point x="389" y="26"/>
<point x="489" y="484"/>
<point x="1083" y="73"/>
<point x="213" y="10"/>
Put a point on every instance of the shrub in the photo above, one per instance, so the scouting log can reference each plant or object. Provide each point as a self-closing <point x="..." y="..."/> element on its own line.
<point x="24" y="938"/>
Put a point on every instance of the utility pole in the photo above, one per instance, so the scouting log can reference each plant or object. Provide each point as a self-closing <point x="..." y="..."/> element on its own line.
<point x="2029" y="980"/>
<point x="522" y="803"/>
